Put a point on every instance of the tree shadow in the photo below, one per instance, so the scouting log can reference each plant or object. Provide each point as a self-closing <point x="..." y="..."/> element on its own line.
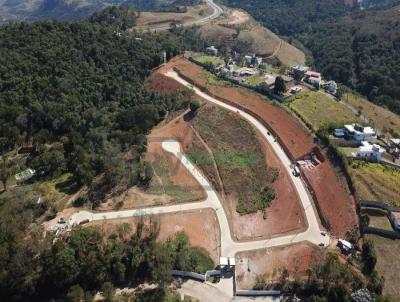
<point x="69" y="186"/>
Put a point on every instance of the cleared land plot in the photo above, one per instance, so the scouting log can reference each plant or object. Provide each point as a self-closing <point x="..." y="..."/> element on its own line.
<point x="381" y="118"/>
<point x="291" y="132"/>
<point x="388" y="264"/>
<point x="330" y="190"/>
<point x="208" y="59"/>
<point x="317" y="109"/>
<point x="149" y="19"/>
<point x="201" y="227"/>
<point x="239" y="158"/>
<point x="285" y="214"/>
<point x="374" y="181"/>
<point x="270" y="263"/>
<point x="162" y="84"/>
<point x="335" y="202"/>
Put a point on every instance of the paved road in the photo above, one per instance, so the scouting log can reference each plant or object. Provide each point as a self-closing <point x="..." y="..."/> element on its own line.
<point x="229" y="247"/>
<point x="217" y="11"/>
<point x="313" y="232"/>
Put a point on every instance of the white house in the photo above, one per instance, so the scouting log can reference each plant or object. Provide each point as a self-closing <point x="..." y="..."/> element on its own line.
<point x="244" y="71"/>
<point x="313" y="78"/>
<point x="370" y="151"/>
<point x="360" y="133"/>
<point x="212" y="50"/>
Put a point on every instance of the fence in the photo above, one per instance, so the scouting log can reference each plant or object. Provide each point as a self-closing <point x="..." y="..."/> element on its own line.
<point x="257" y="293"/>
<point x="378" y="204"/>
<point x="240" y="107"/>
<point x="195" y="276"/>
<point x="381" y="232"/>
<point x="273" y="132"/>
<point x="237" y="82"/>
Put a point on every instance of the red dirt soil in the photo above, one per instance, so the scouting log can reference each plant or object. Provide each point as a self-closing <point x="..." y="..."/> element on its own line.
<point x="179" y="130"/>
<point x="269" y="262"/>
<point x="291" y="132"/>
<point x="201" y="226"/>
<point x="163" y="84"/>
<point x="334" y="204"/>
<point x="285" y="215"/>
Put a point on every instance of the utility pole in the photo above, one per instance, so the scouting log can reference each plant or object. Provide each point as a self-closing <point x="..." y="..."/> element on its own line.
<point x="165" y="57"/>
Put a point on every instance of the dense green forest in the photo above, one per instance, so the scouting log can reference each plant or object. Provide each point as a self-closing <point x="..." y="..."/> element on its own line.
<point x="32" y="10"/>
<point x="33" y="268"/>
<point x="358" y="48"/>
<point x="75" y="92"/>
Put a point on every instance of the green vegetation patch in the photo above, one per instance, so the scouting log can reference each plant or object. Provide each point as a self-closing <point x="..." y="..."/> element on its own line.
<point x="373" y="181"/>
<point x="161" y="183"/>
<point x="378" y="117"/>
<point x="209" y="59"/>
<point x="238" y="156"/>
<point x="388" y="264"/>
<point x="317" y="110"/>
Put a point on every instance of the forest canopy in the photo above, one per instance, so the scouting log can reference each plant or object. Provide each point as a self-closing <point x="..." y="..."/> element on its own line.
<point x="358" y="48"/>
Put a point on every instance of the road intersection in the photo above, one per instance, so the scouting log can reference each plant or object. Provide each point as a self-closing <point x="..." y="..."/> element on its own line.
<point x="229" y="247"/>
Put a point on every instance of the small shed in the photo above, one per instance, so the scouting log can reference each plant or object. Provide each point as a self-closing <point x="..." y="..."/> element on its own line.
<point x="24" y="175"/>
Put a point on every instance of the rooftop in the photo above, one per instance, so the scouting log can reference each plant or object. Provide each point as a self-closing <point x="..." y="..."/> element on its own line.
<point x="357" y="129"/>
<point x="367" y="147"/>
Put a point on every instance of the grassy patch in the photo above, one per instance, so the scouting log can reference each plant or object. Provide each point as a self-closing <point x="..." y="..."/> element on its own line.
<point x="376" y="182"/>
<point x="317" y="109"/>
<point x="209" y="59"/>
<point x="384" y="120"/>
<point x="161" y="183"/>
<point x="255" y="80"/>
<point x="238" y="156"/>
<point x="347" y="151"/>
<point x="388" y="264"/>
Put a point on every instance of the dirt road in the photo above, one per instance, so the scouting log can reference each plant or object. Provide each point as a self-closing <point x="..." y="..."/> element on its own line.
<point x="217" y="11"/>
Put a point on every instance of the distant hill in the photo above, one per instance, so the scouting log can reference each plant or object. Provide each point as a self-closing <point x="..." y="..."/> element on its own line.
<point x="31" y="10"/>
<point x="239" y="31"/>
<point x="356" y="47"/>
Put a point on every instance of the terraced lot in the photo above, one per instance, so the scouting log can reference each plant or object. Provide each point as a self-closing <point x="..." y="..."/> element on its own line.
<point x="317" y="109"/>
<point x="239" y="157"/>
<point x="376" y="182"/>
<point x="381" y="118"/>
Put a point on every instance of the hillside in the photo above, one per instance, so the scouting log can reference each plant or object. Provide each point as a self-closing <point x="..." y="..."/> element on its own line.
<point x="359" y="48"/>
<point x="76" y="9"/>
<point x="236" y="29"/>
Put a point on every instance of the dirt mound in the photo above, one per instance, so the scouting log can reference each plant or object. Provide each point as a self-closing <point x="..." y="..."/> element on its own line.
<point x="237" y="17"/>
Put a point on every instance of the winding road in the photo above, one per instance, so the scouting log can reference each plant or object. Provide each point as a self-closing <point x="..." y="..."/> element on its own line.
<point x="229" y="247"/>
<point x="217" y="11"/>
